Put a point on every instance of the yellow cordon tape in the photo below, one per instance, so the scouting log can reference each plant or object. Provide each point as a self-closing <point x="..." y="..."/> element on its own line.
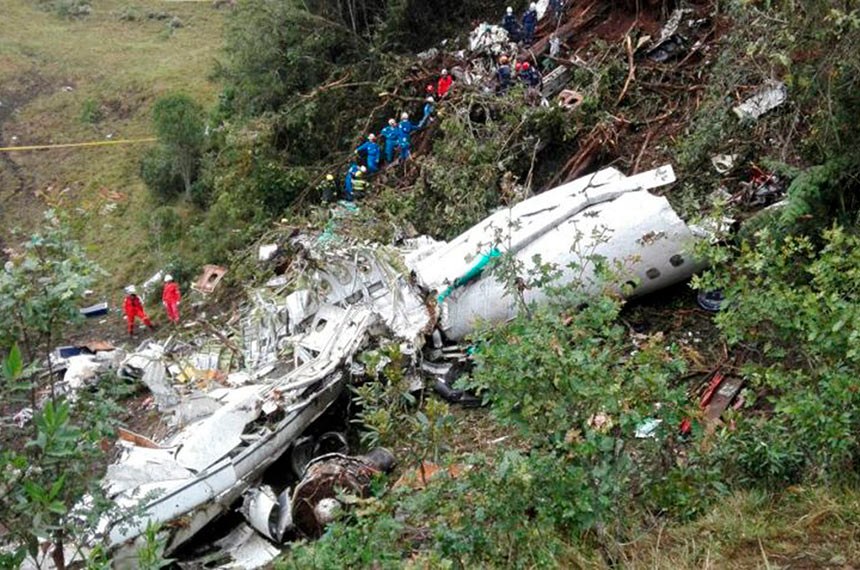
<point x="75" y="145"/>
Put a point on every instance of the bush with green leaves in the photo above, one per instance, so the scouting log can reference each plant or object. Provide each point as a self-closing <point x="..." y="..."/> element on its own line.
<point x="178" y="122"/>
<point x="41" y="290"/>
<point x="47" y="467"/>
<point x="793" y="303"/>
<point x="159" y="175"/>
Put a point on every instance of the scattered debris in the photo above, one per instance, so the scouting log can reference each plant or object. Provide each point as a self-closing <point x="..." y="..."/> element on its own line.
<point x="719" y="395"/>
<point x="267" y="251"/>
<point x="209" y="279"/>
<point x="770" y="96"/>
<point x="723" y="163"/>
<point x="710" y="300"/>
<point x="570" y="100"/>
<point x="97" y="310"/>
<point x="488" y="39"/>
<point x="648" y="428"/>
<point x="672" y="47"/>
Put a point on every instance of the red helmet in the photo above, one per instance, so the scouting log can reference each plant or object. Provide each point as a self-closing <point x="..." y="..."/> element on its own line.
<point x="429" y="89"/>
<point x="526" y="66"/>
<point x="518" y="66"/>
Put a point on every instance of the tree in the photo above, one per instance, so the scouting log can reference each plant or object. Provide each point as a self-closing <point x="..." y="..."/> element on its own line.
<point x="178" y="121"/>
<point x="40" y="290"/>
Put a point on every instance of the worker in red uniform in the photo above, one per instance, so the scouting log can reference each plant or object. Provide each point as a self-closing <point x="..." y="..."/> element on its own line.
<point x="133" y="309"/>
<point x="171" y="296"/>
<point x="445" y="81"/>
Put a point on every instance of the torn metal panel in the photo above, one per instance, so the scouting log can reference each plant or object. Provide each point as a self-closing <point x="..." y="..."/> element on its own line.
<point x="209" y="279"/>
<point x="269" y="515"/>
<point x="364" y="277"/>
<point x="147" y="364"/>
<point x="770" y="96"/>
<point x="241" y="549"/>
<point x="141" y="465"/>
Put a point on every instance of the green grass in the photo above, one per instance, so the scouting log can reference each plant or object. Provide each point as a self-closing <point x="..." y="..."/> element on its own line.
<point x="802" y="528"/>
<point x="123" y="66"/>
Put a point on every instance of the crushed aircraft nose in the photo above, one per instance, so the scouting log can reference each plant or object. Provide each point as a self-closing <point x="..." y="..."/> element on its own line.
<point x="315" y="501"/>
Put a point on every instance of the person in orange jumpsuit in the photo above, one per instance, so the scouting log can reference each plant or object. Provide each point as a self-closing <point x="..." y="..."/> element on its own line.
<point x="445" y="81"/>
<point x="170" y="296"/>
<point x="133" y="308"/>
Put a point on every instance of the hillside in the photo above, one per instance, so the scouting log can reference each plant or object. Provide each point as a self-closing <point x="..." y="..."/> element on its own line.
<point x="91" y="79"/>
<point x="652" y="431"/>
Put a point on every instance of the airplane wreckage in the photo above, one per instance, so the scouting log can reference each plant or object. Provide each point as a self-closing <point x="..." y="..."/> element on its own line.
<point x="342" y="296"/>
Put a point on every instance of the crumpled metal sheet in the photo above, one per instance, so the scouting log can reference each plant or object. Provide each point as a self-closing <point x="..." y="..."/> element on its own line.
<point x="769" y="97"/>
<point x="149" y="360"/>
<point x="487" y="38"/>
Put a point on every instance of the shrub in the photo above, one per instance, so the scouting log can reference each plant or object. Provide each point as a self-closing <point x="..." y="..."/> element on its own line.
<point x="157" y="172"/>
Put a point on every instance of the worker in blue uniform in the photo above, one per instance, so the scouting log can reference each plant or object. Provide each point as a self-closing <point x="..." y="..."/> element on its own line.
<point x="372" y="150"/>
<point x="392" y="139"/>
<point x="510" y="24"/>
<point x="429" y="107"/>
<point x="349" y="179"/>
<point x="530" y="19"/>
<point x="406" y="127"/>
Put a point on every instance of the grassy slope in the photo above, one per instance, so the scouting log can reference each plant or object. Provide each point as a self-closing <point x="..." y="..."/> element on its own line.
<point x="805" y="528"/>
<point x="121" y="66"/>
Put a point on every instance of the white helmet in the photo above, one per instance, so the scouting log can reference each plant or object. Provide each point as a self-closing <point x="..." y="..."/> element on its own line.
<point x="392" y="122"/>
<point x="510" y="10"/>
<point x="444" y="72"/>
<point x="363" y="169"/>
<point x="430" y="99"/>
<point x="168" y="278"/>
<point x="371" y="137"/>
<point x="131" y="290"/>
<point x="404" y="116"/>
<point x="532" y="6"/>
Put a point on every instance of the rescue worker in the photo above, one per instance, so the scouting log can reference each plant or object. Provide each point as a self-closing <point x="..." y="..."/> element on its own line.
<point x="510" y="24"/>
<point x="503" y="75"/>
<point x="406" y="128"/>
<point x="556" y="7"/>
<point x="530" y="19"/>
<point x="392" y="139"/>
<point x="530" y="75"/>
<point x="133" y="309"/>
<point x="327" y="189"/>
<point x="348" y="181"/>
<point x="429" y="107"/>
<point x="359" y="183"/>
<point x="372" y="149"/>
<point x="444" y="84"/>
<point x="170" y="297"/>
